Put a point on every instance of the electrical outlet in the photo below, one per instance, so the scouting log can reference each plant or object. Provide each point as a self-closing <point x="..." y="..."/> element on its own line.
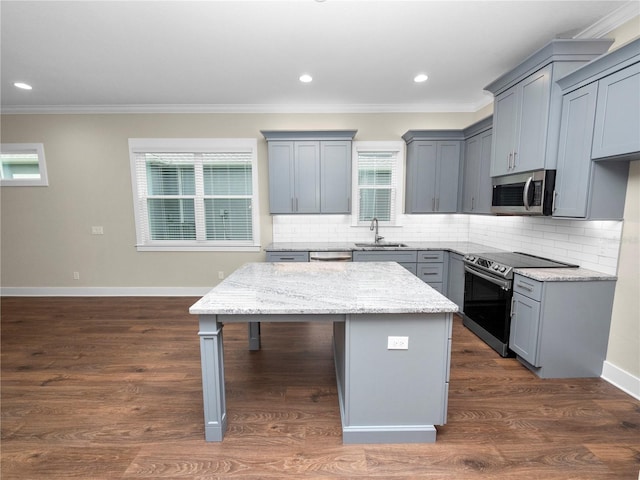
<point x="98" y="230"/>
<point x="220" y="275"/>
<point x="76" y="275"/>
<point x="397" y="343"/>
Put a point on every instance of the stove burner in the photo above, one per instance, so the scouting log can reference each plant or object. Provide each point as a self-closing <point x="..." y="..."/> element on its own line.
<point x="501" y="264"/>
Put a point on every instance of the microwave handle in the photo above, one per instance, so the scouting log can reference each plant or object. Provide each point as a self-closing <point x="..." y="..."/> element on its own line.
<point x="525" y="193"/>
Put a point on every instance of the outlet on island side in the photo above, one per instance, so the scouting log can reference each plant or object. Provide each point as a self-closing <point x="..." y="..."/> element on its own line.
<point x="397" y="343"/>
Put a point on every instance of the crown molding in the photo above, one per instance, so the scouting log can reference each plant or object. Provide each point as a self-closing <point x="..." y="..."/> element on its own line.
<point x="612" y="21"/>
<point x="240" y="108"/>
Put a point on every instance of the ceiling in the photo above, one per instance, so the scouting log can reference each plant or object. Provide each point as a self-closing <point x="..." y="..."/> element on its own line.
<point x="247" y="56"/>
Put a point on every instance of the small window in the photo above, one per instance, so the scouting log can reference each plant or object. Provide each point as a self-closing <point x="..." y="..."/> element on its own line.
<point x="377" y="173"/>
<point x="23" y="165"/>
<point x="195" y="194"/>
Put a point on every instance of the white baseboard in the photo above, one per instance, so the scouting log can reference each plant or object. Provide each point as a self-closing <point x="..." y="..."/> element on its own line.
<point x="622" y="379"/>
<point x="103" y="291"/>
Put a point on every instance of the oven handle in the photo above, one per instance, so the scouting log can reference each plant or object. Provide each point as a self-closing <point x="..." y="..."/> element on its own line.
<point x="504" y="284"/>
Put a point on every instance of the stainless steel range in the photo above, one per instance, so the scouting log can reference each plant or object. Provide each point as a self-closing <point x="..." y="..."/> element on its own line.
<point x="488" y="290"/>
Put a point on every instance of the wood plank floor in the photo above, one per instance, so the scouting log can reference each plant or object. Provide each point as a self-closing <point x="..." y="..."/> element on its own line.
<point x="110" y="388"/>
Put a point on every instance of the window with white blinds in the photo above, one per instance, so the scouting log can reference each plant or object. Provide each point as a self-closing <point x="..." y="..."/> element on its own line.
<point x="378" y="170"/>
<point x="195" y="194"/>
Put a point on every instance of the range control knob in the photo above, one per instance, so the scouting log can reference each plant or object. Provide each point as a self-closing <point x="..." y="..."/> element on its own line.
<point x="503" y="269"/>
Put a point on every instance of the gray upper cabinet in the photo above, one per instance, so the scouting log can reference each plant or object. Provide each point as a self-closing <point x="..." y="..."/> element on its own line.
<point x="309" y="172"/>
<point x="589" y="189"/>
<point x="617" y="119"/>
<point x="476" y="190"/>
<point x="520" y="125"/>
<point x="335" y="182"/>
<point x="433" y="171"/>
<point x="527" y="106"/>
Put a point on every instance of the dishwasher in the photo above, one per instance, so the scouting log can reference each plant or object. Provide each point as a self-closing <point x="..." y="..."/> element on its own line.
<point x="336" y="256"/>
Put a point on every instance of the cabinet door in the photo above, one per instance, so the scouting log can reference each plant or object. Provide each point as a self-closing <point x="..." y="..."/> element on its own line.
<point x="529" y="153"/>
<point x="504" y="131"/>
<point x="472" y="153"/>
<point x="335" y="184"/>
<point x="281" y="177"/>
<point x="307" y="177"/>
<point x="574" y="152"/>
<point x="482" y="201"/>
<point x="525" y="326"/>
<point x="421" y="177"/>
<point x="617" y="124"/>
<point x="448" y="176"/>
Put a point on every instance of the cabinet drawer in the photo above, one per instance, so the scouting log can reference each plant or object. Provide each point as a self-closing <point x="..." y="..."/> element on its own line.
<point x="287" y="256"/>
<point x="428" y="256"/>
<point x="430" y="273"/>
<point x="527" y="287"/>
<point x="400" y="256"/>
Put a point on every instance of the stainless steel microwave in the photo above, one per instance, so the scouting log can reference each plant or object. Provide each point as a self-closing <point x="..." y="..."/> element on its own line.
<point x="528" y="193"/>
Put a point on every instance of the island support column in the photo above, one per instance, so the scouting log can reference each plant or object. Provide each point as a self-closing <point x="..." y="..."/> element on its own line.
<point x="212" y="361"/>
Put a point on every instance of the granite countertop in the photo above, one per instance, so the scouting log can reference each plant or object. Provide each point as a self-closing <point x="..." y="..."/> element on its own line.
<point x="322" y="288"/>
<point x="563" y="274"/>
<point x="461" y="248"/>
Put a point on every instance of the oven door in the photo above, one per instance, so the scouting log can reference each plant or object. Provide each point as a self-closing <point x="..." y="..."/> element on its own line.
<point x="487" y="308"/>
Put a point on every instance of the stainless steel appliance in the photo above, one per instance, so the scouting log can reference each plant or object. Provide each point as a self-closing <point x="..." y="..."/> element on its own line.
<point x="529" y="193"/>
<point x="338" y="256"/>
<point x="488" y="290"/>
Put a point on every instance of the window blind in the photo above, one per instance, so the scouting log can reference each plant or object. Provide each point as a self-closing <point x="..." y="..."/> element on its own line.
<point x="195" y="196"/>
<point x="377" y="173"/>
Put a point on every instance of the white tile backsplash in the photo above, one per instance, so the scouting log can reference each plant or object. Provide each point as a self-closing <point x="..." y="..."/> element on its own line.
<point x="591" y="244"/>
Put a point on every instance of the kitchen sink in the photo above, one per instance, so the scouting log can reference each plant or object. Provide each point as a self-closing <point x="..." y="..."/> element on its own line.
<point x="381" y="245"/>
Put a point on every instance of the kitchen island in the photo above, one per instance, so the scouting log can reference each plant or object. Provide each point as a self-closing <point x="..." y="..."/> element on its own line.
<point x="391" y="341"/>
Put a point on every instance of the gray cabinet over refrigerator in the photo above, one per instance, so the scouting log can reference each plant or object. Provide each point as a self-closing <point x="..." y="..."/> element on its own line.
<point x="599" y="133"/>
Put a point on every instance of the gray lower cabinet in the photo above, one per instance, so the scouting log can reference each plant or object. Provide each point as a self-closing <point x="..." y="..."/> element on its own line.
<point x="431" y="269"/>
<point x="561" y="329"/>
<point x="455" y="283"/>
<point x="406" y="258"/>
<point x="433" y="171"/>
<point x="477" y="189"/>
<point x="309" y="172"/>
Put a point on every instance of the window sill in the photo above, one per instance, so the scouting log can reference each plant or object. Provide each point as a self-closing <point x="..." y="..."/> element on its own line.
<point x="198" y="248"/>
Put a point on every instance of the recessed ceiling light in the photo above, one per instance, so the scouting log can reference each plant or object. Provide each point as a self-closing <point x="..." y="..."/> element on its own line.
<point x="306" y="78"/>
<point x="420" y="78"/>
<point x="22" y="85"/>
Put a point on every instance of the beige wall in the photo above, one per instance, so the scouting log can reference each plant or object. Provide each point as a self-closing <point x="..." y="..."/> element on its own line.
<point x="46" y="231"/>
<point x="624" y="336"/>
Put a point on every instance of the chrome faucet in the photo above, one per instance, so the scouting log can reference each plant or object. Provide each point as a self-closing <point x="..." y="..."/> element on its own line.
<point x="374" y="225"/>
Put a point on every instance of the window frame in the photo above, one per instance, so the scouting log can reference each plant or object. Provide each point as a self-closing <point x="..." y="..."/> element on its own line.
<point x="193" y="145"/>
<point x="397" y="147"/>
<point x="31" y="148"/>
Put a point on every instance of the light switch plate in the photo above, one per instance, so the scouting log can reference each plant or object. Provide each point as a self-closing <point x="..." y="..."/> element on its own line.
<point x="397" y="343"/>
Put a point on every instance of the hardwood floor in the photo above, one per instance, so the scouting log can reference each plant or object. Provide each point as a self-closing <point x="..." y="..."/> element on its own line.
<point x="110" y="388"/>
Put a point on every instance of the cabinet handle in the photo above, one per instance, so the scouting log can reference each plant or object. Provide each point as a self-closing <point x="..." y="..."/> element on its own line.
<point x="553" y="202"/>
<point x="286" y="258"/>
<point x="514" y="159"/>
<point x="472" y="202"/>
<point x="525" y="286"/>
<point x="513" y="313"/>
<point x="509" y="160"/>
